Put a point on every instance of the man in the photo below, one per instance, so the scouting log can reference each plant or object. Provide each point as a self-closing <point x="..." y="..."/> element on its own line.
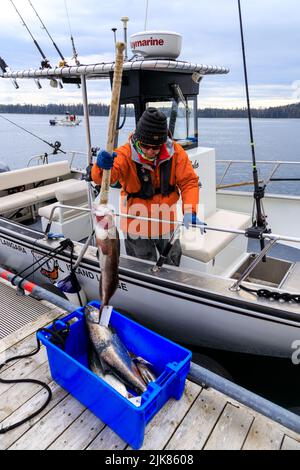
<point x="153" y="172"/>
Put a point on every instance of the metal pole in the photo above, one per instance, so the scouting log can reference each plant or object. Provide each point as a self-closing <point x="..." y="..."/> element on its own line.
<point x="267" y="236"/>
<point x="146" y="15"/>
<point x="115" y="36"/>
<point x="39" y="292"/>
<point x="125" y="20"/>
<point x="260" y="221"/>
<point x="246" y="397"/>
<point x="88" y="144"/>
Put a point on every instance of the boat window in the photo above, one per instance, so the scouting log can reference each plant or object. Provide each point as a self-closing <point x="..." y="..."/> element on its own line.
<point x="126" y="124"/>
<point x="182" y="119"/>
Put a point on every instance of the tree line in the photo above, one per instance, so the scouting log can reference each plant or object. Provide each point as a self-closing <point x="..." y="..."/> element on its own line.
<point x="288" y="111"/>
<point x="278" y="112"/>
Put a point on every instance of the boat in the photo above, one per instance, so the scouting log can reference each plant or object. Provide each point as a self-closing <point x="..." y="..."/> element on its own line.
<point x="69" y="120"/>
<point x="231" y="292"/>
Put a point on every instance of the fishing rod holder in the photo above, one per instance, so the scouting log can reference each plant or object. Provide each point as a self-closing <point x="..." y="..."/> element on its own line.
<point x="256" y="232"/>
<point x="163" y="257"/>
<point x="236" y="286"/>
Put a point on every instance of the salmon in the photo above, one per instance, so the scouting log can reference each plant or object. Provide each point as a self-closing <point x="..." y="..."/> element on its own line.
<point x="108" y="243"/>
<point x="112" y="353"/>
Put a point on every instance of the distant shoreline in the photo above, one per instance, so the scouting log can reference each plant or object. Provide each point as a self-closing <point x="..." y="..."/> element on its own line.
<point x="281" y="112"/>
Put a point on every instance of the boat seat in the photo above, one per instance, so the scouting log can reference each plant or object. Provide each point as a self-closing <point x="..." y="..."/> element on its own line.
<point x="33" y="196"/>
<point x="72" y="195"/>
<point x="30" y="176"/>
<point x="16" y="201"/>
<point x="34" y="174"/>
<point x="72" y="223"/>
<point x="44" y="193"/>
<point x="206" y="247"/>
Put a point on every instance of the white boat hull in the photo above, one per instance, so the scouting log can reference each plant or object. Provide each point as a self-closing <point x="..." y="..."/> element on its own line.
<point x="180" y="315"/>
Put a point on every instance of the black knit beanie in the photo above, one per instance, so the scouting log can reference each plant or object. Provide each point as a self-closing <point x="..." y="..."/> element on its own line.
<point x="152" y="127"/>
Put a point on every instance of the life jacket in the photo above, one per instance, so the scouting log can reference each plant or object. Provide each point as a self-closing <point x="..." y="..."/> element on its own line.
<point x="147" y="190"/>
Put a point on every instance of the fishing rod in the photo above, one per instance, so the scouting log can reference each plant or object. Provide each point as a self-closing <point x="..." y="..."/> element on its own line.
<point x="75" y="53"/>
<point x="51" y="39"/>
<point x="259" y="223"/>
<point x="56" y="146"/>
<point x="5" y="68"/>
<point x="45" y="62"/>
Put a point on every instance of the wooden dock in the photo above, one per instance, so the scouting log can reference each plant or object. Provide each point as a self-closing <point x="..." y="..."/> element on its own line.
<point x="202" y="419"/>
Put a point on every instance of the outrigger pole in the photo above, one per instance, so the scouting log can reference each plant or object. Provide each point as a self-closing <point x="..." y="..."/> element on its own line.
<point x="45" y="62"/>
<point x="75" y="53"/>
<point x="259" y="223"/>
<point x="51" y="39"/>
<point x="86" y="116"/>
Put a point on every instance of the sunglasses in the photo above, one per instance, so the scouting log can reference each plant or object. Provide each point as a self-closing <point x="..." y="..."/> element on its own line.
<point x="148" y="147"/>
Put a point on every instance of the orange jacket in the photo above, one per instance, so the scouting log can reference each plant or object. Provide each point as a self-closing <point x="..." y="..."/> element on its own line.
<point x="160" y="207"/>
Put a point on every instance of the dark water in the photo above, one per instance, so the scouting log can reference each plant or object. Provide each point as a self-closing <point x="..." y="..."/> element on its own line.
<point x="276" y="379"/>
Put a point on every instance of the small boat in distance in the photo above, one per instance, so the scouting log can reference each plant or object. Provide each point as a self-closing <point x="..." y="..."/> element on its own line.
<point x="67" y="120"/>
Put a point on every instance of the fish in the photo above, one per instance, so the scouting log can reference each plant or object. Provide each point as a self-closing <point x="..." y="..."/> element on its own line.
<point x="144" y="368"/>
<point x="112" y="353"/>
<point x="96" y="368"/>
<point x="108" y="243"/>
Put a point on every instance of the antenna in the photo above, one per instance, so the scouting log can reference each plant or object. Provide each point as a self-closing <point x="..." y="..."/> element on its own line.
<point x="125" y="20"/>
<point x="259" y="223"/>
<point x="146" y="15"/>
<point x="115" y="36"/>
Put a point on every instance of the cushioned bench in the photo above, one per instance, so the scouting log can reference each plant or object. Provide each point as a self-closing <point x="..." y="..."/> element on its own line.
<point x="72" y="223"/>
<point x="206" y="247"/>
<point x="30" y="176"/>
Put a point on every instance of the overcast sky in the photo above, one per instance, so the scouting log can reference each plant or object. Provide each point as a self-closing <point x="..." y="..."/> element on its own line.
<point x="211" y="35"/>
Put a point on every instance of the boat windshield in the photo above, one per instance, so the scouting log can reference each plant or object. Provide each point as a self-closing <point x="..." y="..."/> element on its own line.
<point x="182" y="119"/>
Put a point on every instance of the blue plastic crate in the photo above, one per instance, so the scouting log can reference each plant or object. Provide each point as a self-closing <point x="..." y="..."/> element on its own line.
<point x="69" y="368"/>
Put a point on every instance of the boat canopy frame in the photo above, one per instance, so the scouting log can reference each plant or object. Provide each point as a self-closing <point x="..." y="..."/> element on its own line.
<point x="102" y="70"/>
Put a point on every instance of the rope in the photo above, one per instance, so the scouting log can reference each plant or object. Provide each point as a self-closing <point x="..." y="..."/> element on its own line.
<point x="268" y="294"/>
<point x="59" y="338"/>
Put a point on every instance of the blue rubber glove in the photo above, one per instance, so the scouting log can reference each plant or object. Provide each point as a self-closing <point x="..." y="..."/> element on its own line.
<point x="105" y="160"/>
<point x="190" y="219"/>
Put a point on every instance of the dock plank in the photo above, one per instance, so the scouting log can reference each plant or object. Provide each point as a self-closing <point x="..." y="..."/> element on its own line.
<point x="18" y="394"/>
<point x="30" y="329"/>
<point x="169" y="417"/>
<point x="290" y="443"/>
<point x="203" y="418"/>
<point x="22" y="369"/>
<point x="58" y="394"/>
<point x="231" y="429"/>
<point x="199" y="422"/>
<point x="263" y="435"/>
<point x="49" y="428"/>
<point x="107" y="440"/>
<point x="80" y="433"/>
<point x="166" y="421"/>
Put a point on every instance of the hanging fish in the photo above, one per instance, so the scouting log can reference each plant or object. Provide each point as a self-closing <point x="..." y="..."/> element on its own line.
<point x="108" y="243"/>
